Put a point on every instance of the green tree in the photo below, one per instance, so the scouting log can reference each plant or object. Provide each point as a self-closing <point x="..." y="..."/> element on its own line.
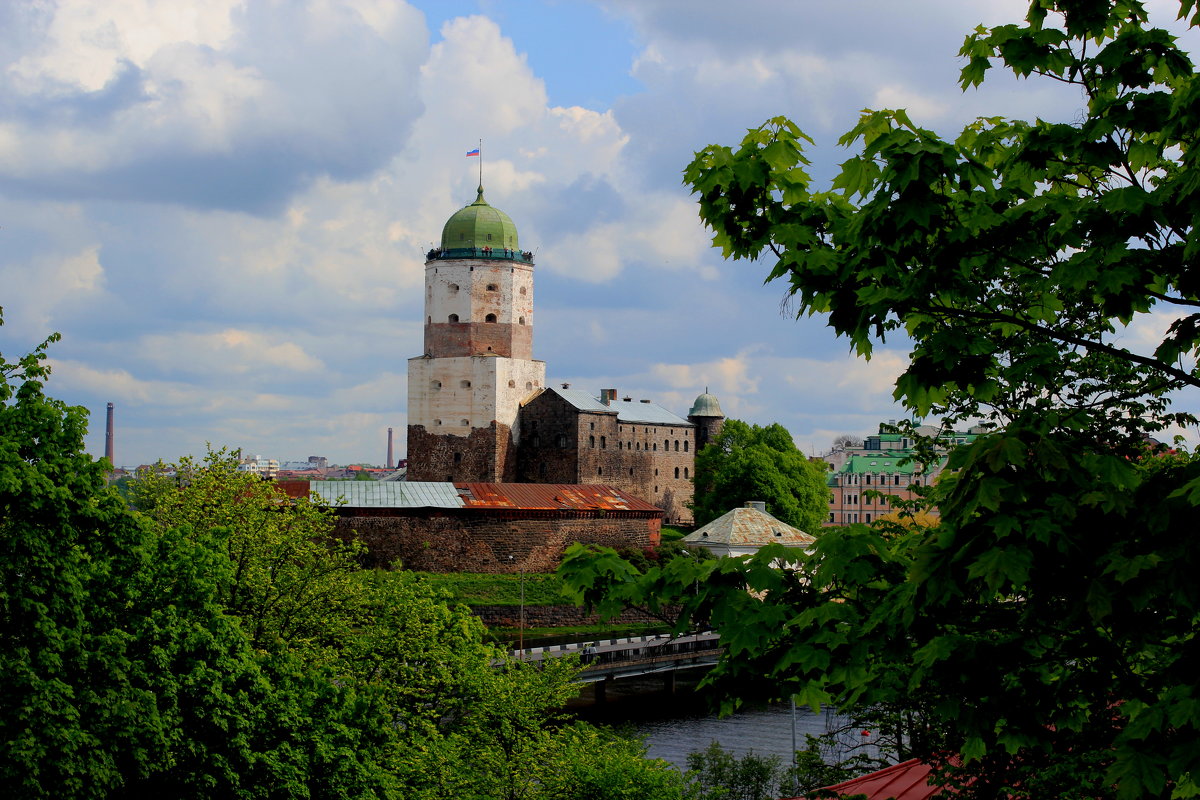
<point x="120" y="672"/>
<point x="748" y="462"/>
<point x="1046" y="629"/>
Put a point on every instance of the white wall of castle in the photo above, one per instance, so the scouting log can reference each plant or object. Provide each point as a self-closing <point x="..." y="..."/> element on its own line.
<point x="454" y="395"/>
<point x="460" y="287"/>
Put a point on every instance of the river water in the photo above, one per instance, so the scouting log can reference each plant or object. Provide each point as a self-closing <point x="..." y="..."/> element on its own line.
<point x="675" y="725"/>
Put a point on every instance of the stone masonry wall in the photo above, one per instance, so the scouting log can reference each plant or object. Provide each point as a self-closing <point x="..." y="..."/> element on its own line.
<point x="466" y="542"/>
<point x="481" y="457"/>
<point x="447" y="339"/>
<point x="561" y="444"/>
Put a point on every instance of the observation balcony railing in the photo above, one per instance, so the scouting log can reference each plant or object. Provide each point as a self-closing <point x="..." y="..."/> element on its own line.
<point x="492" y="253"/>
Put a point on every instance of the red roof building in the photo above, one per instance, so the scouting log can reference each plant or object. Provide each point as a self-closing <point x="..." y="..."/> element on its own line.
<point x="908" y="780"/>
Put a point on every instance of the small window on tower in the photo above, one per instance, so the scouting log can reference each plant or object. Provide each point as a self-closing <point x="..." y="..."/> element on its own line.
<point x="489" y="237"/>
<point x="453" y="288"/>
<point x="452" y="318"/>
<point x="528" y="386"/>
<point x="435" y="385"/>
<point x="465" y="384"/>
<point x="437" y="422"/>
<point x="458" y="458"/>
<point x="512" y="384"/>
<point x="520" y="320"/>
<point x="491" y="287"/>
<point x="524" y="290"/>
<point x="677" y="472"/>
<point x="490" y="318"/>
<point x="464" y="422"/>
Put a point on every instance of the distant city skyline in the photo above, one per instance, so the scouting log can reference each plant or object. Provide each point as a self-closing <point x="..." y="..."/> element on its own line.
<point x="224" y="206"/>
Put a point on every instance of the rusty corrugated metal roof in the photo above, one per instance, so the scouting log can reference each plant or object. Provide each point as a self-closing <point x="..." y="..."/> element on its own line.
<point x="550" y="496"/>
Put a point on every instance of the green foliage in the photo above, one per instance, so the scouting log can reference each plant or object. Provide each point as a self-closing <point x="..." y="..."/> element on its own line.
<point x="715" y="774"/>
<point x="1045" y="629"/>
<point x="748" y="462"/>
<point x="122" y="675"/>
<point x="219" y="644"/>
<point x="292" y="585"/>
<point x="491" y="589"/>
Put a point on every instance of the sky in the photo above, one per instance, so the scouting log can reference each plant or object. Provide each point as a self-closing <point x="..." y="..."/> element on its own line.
<point x="223" y="206"/>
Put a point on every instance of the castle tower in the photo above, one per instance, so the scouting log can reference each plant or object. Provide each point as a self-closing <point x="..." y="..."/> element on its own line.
<point x="708" y="418"/>
<point x="465" y="391"/>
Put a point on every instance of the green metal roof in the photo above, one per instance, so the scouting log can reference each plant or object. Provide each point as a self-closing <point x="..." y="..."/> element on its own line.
<point x="479" y="225"/>
<point x="706" y="405"/>
<point x="875" y="464"/>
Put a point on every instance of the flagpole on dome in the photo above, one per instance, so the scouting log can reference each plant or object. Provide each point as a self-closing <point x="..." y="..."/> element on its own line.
<point x="481" y="165"/>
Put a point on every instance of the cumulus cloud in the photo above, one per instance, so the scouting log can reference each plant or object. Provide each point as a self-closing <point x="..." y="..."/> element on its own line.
<point x="224" y="105"/>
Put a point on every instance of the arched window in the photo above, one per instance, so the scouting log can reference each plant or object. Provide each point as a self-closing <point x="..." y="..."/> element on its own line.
<point x="666" y="444"/>
<point x="464" y="422"/>
<point x="562" y="441"/>
<point x="685" y="472"/>
<point x="631" y="471"/>
<point x="599" y="470"/>
<point x="464" y="384"/>
<point x="453" y="288"/>
<point x="656" y="447"/>
<point x="685" y="445"/>
<point x="520" y="320"/>
<point x="490" y="318"/>
<point x="512" y="384"/>
<point x="458" y="458"/>
<point x="592" y="442"/>
<point x="528" y="386"/>
<point x="491" y="287"/>
<point x="868" y="480"/>
<point x="677" y="472"/>
<point x="453" y="318"/>
<point x="603" y="442"/>
<point x="676" y="445"/>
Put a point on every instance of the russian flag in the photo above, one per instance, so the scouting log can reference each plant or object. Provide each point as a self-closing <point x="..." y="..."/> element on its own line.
<point x="474" y="152"/>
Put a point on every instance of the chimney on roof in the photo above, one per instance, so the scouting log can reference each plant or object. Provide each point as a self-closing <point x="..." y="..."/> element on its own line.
<point x="757" y="505"/>
<point x="389" y="458"/>
<point x="108" y="438"/>
<point x="608" y="395"/>
<point x="566" y="386"/>
<point x="626" y="399"/>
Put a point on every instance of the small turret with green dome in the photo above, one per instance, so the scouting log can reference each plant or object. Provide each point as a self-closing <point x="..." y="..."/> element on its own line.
<point x="707" y="416"/>
<point x="480" y="230"/>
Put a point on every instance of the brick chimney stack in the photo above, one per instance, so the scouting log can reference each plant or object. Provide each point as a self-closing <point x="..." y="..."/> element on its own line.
<point x="108" y="438"/>
<point x="390" y="463"/>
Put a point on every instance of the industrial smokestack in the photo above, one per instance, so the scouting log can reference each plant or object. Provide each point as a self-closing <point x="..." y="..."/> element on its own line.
<point x="108" y="439"/>
<point x="390" y="463"/>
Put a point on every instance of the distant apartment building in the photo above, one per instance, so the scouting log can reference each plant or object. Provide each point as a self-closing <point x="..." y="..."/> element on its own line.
<point x="263" y="467"/>
<point x="883" y="464"/>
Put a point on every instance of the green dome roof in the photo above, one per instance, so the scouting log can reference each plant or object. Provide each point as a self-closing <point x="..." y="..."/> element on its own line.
<point x="479" y="225"/>
<point x="706" y="405"/>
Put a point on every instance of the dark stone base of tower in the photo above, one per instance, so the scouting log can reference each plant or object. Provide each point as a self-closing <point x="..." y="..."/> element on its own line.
<point x="486" y="455"/>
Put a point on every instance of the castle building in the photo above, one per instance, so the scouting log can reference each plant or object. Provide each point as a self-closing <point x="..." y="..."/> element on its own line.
<point x="465" y="392"/>
<point x="478" y="405"/>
